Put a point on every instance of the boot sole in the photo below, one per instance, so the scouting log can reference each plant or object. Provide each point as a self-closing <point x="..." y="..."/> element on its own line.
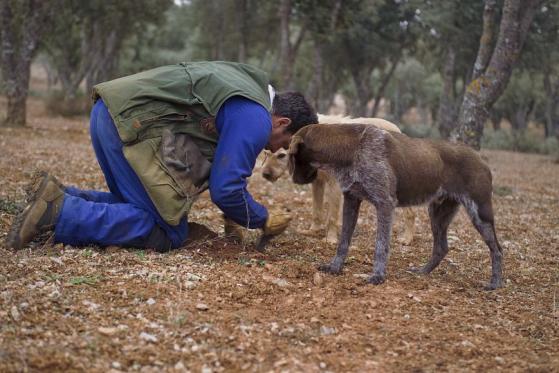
<point x="33" y="189"/>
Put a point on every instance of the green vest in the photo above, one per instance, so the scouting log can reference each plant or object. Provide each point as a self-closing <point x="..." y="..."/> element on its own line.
<point x="184" y="98"/>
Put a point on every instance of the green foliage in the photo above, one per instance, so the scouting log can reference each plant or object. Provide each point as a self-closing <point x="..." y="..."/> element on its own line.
<point x="527" y="141"/>
<point x="9" y="207"/>
<point x="85" y="280"/>
<point x="420" y="131"/>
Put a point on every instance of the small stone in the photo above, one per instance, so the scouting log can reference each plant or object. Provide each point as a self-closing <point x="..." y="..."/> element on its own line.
<point x="361" y="275"/>
<point x="324" y="330"/>
<point x="148" y="337"/>
<point x="150" y="301"/>
<point x="107" y="331"/>
<point x="467" y="343"/>
<point x="190" y="284"/>
<point x="202" y="307"/>
<point x="317" y="279"/>
<point x="406" y="316"/>
<point x="193" y="277"/>
<point x="180" y="366"/>
<point x="15" y="313"/>
<point x="322" y="365"/>
<point x="116" y="365"/>
<point x="499" y="360"/>
<point x="314" y="319"/>
<point x="56" y="260"/>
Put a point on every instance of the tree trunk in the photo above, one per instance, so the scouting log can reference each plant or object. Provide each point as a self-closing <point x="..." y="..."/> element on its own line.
<point x="484" y="90"/>
<point x="315" y="86"/>
<point x="19" y="44"/>
<point x="383" y="83"/>
<point x="363" y="90"/>
<point x="496" y="117"/>
<point x="447" y="116"/>
<point x="487" y="38"/>
<point x="551" y="105"/>
<point x="288" y="50"/>
<point x="242" y="16"/>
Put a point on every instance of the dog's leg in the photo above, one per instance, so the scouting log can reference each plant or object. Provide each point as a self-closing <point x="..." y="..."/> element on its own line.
<point x="409" y="226"/>
<point x="441" y="214"/>
<point x="317" y="204"/>
<point x="333" y="226"/>
<point x="385" y="213"/>
<point x="351" y="212"/>
<point x="482" y="218"/>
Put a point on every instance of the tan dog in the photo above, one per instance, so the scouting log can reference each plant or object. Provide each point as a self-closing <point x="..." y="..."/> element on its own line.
<point x="326" y="193"/>
<point x="389" y="170"/>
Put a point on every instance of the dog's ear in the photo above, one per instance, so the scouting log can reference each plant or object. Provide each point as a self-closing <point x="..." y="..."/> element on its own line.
<point x="296" y="140"/>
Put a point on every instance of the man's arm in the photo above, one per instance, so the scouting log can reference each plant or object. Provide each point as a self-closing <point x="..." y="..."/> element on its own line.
<point x="244" y="130"/>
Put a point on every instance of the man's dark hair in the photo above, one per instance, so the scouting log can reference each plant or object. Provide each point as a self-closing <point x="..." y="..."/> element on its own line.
<point x="294" y="106"/>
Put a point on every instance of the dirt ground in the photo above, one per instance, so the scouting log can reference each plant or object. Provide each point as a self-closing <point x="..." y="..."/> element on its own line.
<point x="215" y="306"/>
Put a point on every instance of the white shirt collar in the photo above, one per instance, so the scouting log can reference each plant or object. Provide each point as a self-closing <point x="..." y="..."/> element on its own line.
<point x="272" y="93"/>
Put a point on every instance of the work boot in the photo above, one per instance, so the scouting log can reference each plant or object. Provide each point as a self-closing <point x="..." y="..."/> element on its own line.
<point x="45" y="197"/>
<point x="233" y="230"/>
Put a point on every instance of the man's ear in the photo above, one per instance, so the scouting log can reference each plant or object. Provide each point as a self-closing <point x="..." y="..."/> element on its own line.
<point x="283" y="122"/>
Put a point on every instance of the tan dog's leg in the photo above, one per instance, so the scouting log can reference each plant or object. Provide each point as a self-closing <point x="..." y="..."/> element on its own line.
<point x="334" y="223"/>
<point x="406" y="236"/>
<point x="317" y="206"/>
<point x="317" y="203"/>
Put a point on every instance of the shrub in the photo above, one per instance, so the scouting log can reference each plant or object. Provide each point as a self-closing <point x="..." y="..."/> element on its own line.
<point x="57" y="103"/>
<point x="524" y="141"/>
<point x="420" y="131"/>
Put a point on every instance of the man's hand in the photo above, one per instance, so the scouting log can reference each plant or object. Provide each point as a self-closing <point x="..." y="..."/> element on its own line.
<point x="276" y="223"/>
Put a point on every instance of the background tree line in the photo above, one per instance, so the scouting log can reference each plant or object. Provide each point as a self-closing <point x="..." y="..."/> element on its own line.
<point x="456" y="64"/>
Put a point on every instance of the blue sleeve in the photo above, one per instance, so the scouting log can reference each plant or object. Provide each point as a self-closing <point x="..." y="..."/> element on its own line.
<point x="244" y="128"/>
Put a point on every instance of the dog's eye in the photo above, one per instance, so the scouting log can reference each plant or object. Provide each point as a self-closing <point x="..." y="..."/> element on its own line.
<point x="281" y="155"/>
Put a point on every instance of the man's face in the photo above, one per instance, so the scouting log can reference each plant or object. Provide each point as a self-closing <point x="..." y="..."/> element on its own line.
<point x="280" y="137"/>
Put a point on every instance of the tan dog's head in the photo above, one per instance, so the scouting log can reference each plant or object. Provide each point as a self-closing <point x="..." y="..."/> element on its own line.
<point x="275" y="164"/>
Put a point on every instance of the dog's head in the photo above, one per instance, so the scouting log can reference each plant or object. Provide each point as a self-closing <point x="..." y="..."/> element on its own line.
<point x="275" y="164"/>
<point x="317" y="146"/>
<point x="300" y="162"/>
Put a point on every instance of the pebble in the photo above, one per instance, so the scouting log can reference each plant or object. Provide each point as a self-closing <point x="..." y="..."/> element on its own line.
<point x="150" y="301"/>
<point x="180" y="366"/>
<point x="107" y="331"/>
<point x="324" y="330"/>
<point x="148" y="337"/>
<point x="317" y="279"/>
<point x="15" y="313"/>
<point x="202" y="307"/>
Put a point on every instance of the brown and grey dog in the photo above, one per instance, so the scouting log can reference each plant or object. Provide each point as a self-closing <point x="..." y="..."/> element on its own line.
<point x="389" y="170"/>
<point x="326" y="193"/>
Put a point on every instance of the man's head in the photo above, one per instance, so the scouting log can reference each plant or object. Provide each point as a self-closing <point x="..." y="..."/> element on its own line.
<point x="290" y="112"/>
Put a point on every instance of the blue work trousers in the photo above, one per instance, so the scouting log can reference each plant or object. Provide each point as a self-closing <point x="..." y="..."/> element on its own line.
<point x="125" y="216"/>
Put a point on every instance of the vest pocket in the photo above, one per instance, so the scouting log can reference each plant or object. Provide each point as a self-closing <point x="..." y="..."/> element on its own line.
<point x="169" y="199"/>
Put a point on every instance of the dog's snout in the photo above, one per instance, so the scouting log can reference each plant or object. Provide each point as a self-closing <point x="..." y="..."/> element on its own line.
<point x="268" y="176"/>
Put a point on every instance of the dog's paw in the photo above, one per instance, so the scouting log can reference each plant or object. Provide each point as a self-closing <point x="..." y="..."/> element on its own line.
<point x="405" y="239"/>
<point x="332" y="239"/>
<point x="493" y="285"/>
<point x="376" y="279"/>
<point x="330" y="268"/>
<point x="418" y="270"/>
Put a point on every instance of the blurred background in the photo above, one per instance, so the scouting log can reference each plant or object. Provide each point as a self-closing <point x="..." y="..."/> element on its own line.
<point x="413" y="62"/>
